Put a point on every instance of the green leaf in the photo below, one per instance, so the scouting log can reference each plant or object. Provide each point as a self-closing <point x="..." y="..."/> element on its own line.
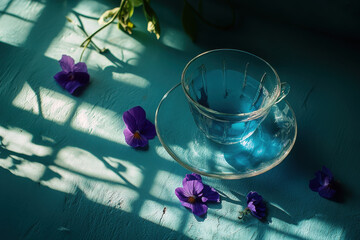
<point x="124" y="17"/>
<point x="128" y="9"/>
<point x="137" y="3"/>
<point x="189" y="21"/>
<point x="152" y="19"/>
<point x="104" y="18"/>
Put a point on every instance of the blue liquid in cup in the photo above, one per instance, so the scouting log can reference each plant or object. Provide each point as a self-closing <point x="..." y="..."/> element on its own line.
<point x="227" y="92"/>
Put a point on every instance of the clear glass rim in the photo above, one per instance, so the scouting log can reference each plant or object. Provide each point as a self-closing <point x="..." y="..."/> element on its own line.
<point x="247" y="114"/>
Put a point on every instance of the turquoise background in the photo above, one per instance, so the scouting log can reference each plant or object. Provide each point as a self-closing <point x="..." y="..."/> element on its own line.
<point x="66" y="172"/>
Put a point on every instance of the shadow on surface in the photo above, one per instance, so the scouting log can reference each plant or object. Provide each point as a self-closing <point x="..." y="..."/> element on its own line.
<point x="73" y="216"/>
<point x="294" y="54"/>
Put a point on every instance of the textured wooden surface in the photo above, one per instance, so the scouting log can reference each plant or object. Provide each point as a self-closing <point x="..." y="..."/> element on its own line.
<point x="66" y="172"/>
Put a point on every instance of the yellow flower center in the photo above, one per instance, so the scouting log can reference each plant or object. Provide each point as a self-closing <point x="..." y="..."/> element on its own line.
<point x="71" y="76"/>
<point x="137" y="135"/>
<point x="191" y="199"/>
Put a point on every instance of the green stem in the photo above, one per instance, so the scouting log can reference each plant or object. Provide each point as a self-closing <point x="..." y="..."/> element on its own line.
<point x="86" y="35"/>
<point x="244" y="213"/>
<point x="82" y="53"/>
<point x="86" y="42"/>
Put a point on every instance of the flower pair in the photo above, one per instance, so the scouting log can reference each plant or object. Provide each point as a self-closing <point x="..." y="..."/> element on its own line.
<point x="195" y="194"/>
<point x="74" y="78"/>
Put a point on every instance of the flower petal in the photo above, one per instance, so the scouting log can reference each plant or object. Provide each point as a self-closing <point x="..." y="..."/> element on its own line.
<point x="186" y="204"/>
<point x="128" y="134"/>
<point x="66" y="63"/>
<point x="257" y="209"/>
<point x="182" y="194"/>
<point x="140" y="116"/>
<point x="210" y="194"/>
<point x="256" y="205"/>
<point x="320" y="177"/>
<point x="314" y="185"/>
<point x="192" y="176"/>
<point x="61" y="78"/>
<point x="253" y="196"/>
<point x="81" y="77"/>
<point x="327" y="192"/>
<point x="327" y="181"/>
<point x="75" y="85"/>
<point x="199" y="209"/>
<point x="251" y="207"/>
<point x="75" y="88"/>
<point x="130" y="121"/>
<point x="138" y="112"/>
<point x="323" y="183"/>
<point x="134" y="142"/>
<point x="80" y="67"/>
<point x="327" y="172"/>
<point x="135" y="118"/>
<point x="193" y="188"/>
<point x="259" y="215"/>
<point x="148" y="130"/>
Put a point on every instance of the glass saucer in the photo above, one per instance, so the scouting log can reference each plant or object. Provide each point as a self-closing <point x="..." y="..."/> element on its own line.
<point x="181" y="138"/>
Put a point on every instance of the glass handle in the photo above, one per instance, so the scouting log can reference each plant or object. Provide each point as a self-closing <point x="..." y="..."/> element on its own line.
<point x="285" y="89"/>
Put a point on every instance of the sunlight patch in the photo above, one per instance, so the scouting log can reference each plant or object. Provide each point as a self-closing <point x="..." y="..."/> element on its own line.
<point x="23" y="168"/>
<point x="174" y="38"/>
<point x="160" y="150"/>
<point x="53" y="106"/>
<point x="97" y="121"/>
<point x="319" y="225"/>
<point x="27" y="100"/>
<point x="128" y="171"/>
<point x="56" y="107"/>
<point x="26" y="168"/>
<point x="16" y="24"/>
<point x="161" y="187"/>
<point x="130" y="79"/>
<point x="20" y="155"/>
<point x="154" y="212"/>
<point x="117" y="197"/>
<point x="19" y="142"/>
<point x="86" y="164"/>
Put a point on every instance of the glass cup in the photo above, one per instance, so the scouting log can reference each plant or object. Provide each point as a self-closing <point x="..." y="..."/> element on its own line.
<point x="230" y="92"/>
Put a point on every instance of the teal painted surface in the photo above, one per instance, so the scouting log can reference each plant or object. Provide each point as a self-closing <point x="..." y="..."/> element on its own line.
<point x="66" y="172"/>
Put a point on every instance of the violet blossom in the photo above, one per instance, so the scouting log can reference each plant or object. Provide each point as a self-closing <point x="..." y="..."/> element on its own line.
<point x="73" y="77"/>
<point x="194" y="194"/>
<point x="138" y="129"/>
<point x="255" y="206"/>
<point x="323" y="183"/>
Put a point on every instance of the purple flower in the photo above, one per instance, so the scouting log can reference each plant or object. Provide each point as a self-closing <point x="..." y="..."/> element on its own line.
<point x="138" y="129"/>
<point x="73" y="77"/>
<point x="323" y="183"/>
<point x="194" y="194"/>
<point x="256" y="205"/>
